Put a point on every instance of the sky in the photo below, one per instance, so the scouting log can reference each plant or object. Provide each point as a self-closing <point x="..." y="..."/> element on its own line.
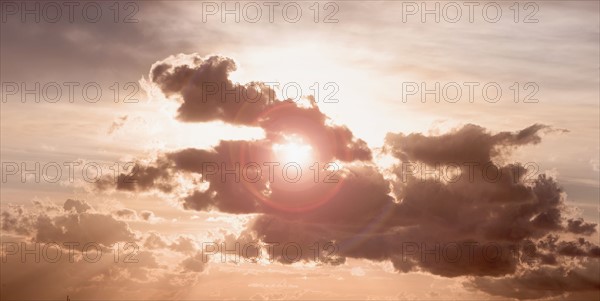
<point x="202" y="150"/>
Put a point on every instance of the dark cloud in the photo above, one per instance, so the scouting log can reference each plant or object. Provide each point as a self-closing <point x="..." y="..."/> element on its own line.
<point x="470" y="143"/>
<point x="578" y="226"/>
<point x="75" y="224"/>
<point x="489" y="221"/>
<point x="206" y="93"/>
<point x="126" y="213"/>
<point x="147" y="215"/>
<point x="15" y="220"/>
<point x="79" y="206"/>
<point x="86" y="279"/>
<point x="546" y="282"/>
<point x="194" y="263"/>
<point x="140" y="177"/>
<point x="58" y="252"/>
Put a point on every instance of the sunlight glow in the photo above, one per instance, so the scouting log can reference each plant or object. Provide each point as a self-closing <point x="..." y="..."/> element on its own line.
<point x="294" y="151"/>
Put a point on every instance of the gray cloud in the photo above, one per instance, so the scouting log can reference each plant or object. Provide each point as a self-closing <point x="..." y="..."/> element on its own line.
<point x="365" y="214"/>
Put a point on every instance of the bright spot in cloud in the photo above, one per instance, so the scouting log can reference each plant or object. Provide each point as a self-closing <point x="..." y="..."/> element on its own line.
<point x="293" y="151"/>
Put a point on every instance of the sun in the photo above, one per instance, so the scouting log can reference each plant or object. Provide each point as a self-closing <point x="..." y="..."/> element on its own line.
<point x="293" y="151"/>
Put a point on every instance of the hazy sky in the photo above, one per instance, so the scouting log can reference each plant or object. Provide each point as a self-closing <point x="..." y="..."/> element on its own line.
<point x="173" y="89"/>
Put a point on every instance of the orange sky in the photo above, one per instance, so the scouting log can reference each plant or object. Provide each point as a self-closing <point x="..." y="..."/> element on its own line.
<point x="346" y="89"/>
